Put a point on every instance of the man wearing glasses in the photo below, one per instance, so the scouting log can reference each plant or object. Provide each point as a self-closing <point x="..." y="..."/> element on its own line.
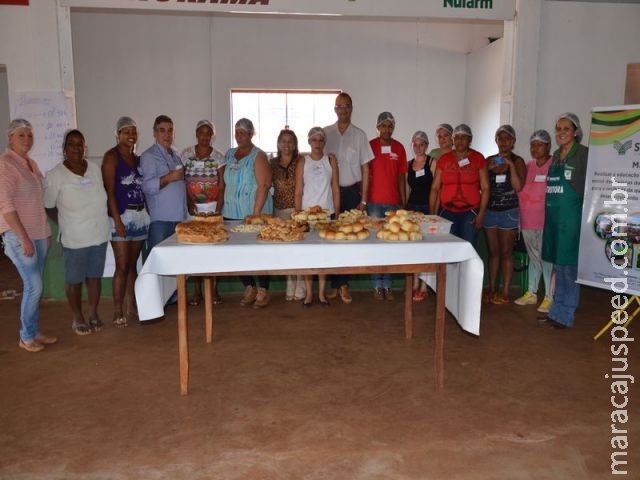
<point x="351" y="147"/>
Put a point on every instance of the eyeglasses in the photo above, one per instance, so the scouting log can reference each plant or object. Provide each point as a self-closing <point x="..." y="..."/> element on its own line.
<point x="343" y="107"/>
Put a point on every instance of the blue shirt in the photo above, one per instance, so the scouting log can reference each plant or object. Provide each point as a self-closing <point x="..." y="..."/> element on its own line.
<point x="168" y="204"/>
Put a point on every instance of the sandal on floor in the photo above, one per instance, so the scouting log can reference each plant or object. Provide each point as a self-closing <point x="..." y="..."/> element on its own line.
<point x="96" y="324"/>
<point x="120" y="322"/>
<point x="195" y="301"/>
<point x="81" y="328"/>
<point x="419" y="296"/>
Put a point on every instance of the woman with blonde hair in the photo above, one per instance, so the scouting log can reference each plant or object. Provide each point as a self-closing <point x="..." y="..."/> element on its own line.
<point x="23" y="225"/>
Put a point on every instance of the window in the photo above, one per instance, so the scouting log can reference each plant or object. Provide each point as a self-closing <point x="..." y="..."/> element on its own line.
<point x="272" y="110"/>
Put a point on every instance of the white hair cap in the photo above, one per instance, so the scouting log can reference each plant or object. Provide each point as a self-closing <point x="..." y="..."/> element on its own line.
<point x="463" y="129"/>
<point x="246" y="125"/>
<point x="317" y="131"/>
<point x="508" y="129"/>
<point x="540" y="136"/>
<point x="573" y="118"/>
<point x="386" y="117"/>
<point x="124" y="122"/>
<point x="18" y="123"/>
<point x="202" y="123"/>
<point x="421" y="135"/>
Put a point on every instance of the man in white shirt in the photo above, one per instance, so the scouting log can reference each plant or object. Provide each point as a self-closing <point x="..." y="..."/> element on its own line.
<point x="351" y="147"/>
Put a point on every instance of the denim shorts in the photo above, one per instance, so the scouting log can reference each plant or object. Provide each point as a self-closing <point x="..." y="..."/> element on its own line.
<point x="83" y="263"/>
<point x="505" y="220"/>
<point x="136" y="224"/>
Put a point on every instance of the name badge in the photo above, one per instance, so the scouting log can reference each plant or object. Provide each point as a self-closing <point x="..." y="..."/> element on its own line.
<point x="464" y="162"/>
<point x="501" y="178"/>
<point x="86" y="182"/>
<point x="567" y="174"/>
<point x="540" y="178"/>
<point x="199" y="164"/>
<point x="420" y="173"/>
<point x="386" y="148"/>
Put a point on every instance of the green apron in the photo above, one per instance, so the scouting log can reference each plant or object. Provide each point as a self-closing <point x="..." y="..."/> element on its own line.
<point x="563" y="215"/>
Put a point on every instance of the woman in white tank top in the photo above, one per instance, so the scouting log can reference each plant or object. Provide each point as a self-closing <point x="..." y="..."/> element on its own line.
<point x="317" y="184"/>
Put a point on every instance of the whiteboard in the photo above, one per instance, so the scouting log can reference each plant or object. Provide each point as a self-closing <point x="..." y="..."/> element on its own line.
<point x="51" y="114"/>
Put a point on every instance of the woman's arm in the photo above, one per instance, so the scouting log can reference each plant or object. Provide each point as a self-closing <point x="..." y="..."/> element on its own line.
<point x="335" y="185"/>
<point x="109" y="163"/>
<point x="484" y="196"/>
<point x="262" y="171"/>
<point x="518" y="170"/>
<point x="220" y="198"/>
<point x="434" y="194"/>
<point x="299" y="186"/>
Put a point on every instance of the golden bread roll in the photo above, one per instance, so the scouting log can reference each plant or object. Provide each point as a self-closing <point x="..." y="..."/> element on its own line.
<point x="362" y="234"/>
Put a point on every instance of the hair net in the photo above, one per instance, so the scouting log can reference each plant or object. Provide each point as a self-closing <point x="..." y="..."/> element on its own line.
<point x="445" y="126"/>
<point x="17" y="123"/>
<point x="202" y="123"/>
<point x="124" y="122"/>
<point x="540" y="136"/>
<point x="421" y="135"/>
<point x="573" y="118"/>
<point x="508" y="129"/>
<point x="317" y="131"/>
<point x="246" y="125"/>
<point x="386" y="117"/>
<point x="463" y="129"/>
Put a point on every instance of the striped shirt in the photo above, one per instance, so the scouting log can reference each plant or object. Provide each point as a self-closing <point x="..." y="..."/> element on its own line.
<point x="21" y="190"/>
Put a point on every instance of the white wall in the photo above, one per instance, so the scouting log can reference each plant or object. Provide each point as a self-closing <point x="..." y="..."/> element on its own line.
<point x="584" y="51"/>
<point x="129" y="64"/>
<point x="4" y="104"/>
<point x="482" y="105"/>
<point x="140" y="66"/>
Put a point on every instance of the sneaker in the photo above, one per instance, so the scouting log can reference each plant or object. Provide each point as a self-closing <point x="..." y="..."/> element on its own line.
<point x="344" y="294"/>
<point x="249" y="296"/>
<point x="262" y="298"/>
<point x="378" y="293"/>
<point x="528" y="298"/>
<point x="545" y="305"/>
<point x="388" y="294"/>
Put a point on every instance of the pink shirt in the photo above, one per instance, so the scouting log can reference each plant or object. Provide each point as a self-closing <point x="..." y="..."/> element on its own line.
<point x="531" y="197"/>
<point x="21" y="190"/>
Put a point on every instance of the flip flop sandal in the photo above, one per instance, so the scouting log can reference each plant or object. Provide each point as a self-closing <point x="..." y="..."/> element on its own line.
<point x="195" y="301"/>
<point x="120" y="322"/>
<point x="81" y="328"/>
<point x="96" y="324"/>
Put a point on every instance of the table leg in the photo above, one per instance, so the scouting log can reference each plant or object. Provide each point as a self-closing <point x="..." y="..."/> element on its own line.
<point x="408" y="306"/>
<point x="183" y="341"/>
<point x="438" y="349"/>
<point x="208" y="308"/>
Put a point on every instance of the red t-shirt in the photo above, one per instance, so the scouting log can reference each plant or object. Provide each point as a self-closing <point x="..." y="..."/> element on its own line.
<point x="389" y="161"/>
<point x="460" y="186"/>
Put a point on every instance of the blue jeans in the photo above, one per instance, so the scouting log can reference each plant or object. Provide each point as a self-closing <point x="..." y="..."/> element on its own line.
<point x="30" y="270"/>
<point x="567" y="295"/>
<point x="462" y="226"/>
<point x="158" y="231"/>
<point x="381" y="280"/>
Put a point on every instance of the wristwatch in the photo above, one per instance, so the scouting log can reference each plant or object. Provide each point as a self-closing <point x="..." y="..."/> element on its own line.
<point x="363" y="203"/>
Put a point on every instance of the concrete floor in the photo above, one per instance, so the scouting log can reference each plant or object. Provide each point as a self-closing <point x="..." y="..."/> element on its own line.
<point x="333" y="393"/>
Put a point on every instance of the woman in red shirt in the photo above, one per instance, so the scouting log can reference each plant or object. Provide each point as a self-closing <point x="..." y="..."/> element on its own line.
<point x="460" y="188"/>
